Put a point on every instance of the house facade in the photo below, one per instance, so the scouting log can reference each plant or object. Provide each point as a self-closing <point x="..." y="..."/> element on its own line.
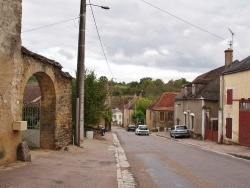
<point x="197" y="105"/>
<point x="117" y="117"/>
<point x="235" y="104"/>
<point x="128" y="111"/>
<point x="160" y="115"/>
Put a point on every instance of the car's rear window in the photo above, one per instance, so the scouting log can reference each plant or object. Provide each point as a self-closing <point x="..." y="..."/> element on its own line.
<point x="144" y="127"/>
<point x="181" y="127"/>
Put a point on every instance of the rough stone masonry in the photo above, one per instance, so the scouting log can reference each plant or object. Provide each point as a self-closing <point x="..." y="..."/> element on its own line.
<point x="17" y="64"/>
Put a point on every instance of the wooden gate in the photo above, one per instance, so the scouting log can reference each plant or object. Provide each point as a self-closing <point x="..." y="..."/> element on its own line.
<point x="244" y="122"/>
<point x="211" y="132"/>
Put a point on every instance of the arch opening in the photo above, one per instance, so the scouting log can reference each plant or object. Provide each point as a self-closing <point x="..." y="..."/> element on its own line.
<point x="39" y="110"/>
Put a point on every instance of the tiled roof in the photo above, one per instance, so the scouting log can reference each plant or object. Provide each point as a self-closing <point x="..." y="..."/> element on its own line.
<point x="243" y="65"/>
<point x="26" y="52"/>
<point x="130" y="104"/>
<point x="115" y="110"/>
<point x="207" y="86"/>
<point x="165" y="102"/>
<point x="31" y="93"/>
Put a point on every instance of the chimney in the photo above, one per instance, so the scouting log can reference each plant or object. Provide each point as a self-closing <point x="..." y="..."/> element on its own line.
<point x="193" y="89"/>
<point x="185" y="91"/>
<point x="228" y="56"/>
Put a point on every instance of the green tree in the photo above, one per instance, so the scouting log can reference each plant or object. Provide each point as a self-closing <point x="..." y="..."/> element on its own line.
<point x="138" y="117"/>
<point x="95" y="99"/>
<point x="178" y="83"/>
<point x="140" y="108"/>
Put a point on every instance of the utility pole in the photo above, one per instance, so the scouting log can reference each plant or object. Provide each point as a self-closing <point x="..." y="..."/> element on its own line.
<point x="79" y="129"/>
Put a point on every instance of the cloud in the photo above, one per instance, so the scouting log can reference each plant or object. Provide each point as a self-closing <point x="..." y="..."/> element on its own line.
<point x="66" y="54"/>
<point x="187" y="39"/>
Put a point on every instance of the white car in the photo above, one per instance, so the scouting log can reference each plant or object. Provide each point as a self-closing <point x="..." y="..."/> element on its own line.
<point x="142" y="130"/>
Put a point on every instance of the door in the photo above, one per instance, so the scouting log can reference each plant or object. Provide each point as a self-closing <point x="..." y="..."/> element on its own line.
<point x="244" y="122"/>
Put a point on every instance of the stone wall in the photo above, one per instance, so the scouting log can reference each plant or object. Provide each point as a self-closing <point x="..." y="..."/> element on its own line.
<point x="17" y="65"/>
<point x="10" y="44"/>
<point x="55" y="86"/>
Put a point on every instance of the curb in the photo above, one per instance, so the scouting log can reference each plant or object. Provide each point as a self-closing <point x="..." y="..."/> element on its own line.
<point x="125" y="178"/>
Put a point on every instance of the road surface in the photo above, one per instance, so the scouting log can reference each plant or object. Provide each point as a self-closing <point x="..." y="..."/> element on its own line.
<point x="161" y="162"/>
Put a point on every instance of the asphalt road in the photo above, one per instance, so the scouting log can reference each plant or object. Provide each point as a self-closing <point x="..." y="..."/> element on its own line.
<point x="161" y="162"/>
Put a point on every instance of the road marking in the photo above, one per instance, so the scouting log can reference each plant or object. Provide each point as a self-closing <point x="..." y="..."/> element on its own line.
<point x="125" y="178"/>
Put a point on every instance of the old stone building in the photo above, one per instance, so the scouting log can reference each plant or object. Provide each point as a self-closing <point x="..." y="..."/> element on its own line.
<point x="17" y="66"/>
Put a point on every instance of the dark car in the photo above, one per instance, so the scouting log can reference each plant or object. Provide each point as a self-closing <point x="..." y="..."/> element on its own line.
<point x="179" y="131"/>
<point x="131" y="128"/>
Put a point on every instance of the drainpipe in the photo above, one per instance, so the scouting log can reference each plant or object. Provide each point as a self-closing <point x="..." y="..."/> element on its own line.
<point x="220" y="115"/>
<point x="203" y="118"/>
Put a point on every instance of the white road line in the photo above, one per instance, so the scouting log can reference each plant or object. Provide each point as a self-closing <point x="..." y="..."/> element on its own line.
<point x="125" y="178"/>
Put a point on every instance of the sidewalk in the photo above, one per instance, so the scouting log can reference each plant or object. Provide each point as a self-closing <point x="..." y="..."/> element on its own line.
<point x="233" y="150"/>
<point x="94" y="165"/>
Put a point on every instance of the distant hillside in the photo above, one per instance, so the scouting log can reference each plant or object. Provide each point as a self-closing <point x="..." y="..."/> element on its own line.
<point x="149" y="88"/>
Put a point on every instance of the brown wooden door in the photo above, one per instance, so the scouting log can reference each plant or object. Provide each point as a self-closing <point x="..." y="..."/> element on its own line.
<point x="244" y="123"/>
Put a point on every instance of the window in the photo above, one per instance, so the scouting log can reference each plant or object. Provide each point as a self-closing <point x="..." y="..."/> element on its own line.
<point x="245" y="105"/>
<point x="215" y="124"/>
<point x="229" y="128"/>
<point x="229" y="96"/>
<point x="162" y="116"/>
<point x="120" y="116"/>
<point x="192" y="121"/>
<point x="114" y="117"/>
<point x="170" y="116"/>
<point x="185" y="119"/>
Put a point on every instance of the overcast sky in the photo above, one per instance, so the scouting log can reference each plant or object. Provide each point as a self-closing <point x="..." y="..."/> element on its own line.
<point x="140" y="40"/>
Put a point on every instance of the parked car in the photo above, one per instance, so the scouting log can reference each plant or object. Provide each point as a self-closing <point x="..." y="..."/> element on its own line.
<point x="131" y="128"/>
<point x="179" y="131"/>
<point x="142" y="130"/>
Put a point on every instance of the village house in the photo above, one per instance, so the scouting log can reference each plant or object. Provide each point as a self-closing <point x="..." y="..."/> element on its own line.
<point x="235" y="104"/>
<point x="197" y="105"/>
<point x="160" y="114"/>
<point x="128" y="111"/>
<point x="117" y="117"/>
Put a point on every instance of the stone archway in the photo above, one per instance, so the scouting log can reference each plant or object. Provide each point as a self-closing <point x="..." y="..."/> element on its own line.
<point x="55" y="88"/>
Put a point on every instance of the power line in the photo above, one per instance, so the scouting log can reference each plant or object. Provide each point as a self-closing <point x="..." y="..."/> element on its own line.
<point x="183" y="20"/>
<point x="100" y="40"/>
<point x="50" y="25"/>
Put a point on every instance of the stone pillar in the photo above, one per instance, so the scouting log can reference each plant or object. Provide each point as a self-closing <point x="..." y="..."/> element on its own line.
<point x="10" y="73"/>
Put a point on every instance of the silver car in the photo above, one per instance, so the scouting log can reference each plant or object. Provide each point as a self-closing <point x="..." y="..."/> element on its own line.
<point x="179" y="131"/>
<point x="142" y="130"/>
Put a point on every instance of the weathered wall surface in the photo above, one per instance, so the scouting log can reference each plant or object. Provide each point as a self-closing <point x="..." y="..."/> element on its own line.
<point x="239" y="83"/>
<point x="10" y="44"/>
<point x="17" y="65"/>
<point x="55" y="86"/>
<point x="189" y="107"/>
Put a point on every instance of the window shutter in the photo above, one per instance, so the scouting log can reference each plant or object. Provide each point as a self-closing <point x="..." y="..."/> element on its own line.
<point x="229" y="96"/>
<point x="229" y="128"/>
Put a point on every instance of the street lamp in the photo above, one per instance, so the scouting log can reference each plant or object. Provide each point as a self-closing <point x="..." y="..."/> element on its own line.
<point x="79" y="127"/>
<point x="103" y="7"/>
